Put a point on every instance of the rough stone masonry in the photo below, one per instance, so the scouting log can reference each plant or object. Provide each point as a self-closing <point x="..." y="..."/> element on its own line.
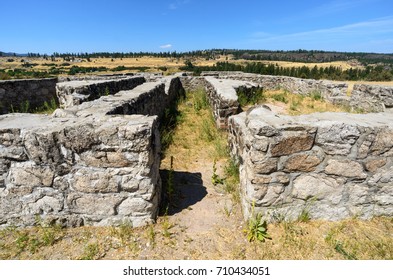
<point x="96" y="163"/>
<point x="329" y="165"/>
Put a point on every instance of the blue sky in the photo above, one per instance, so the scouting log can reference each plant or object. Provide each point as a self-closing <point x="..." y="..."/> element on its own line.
<point x="182" y="25"/>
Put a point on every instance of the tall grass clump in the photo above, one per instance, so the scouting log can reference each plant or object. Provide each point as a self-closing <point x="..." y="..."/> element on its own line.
<point x="250" y="96"/>
<point x="199" y="100"/>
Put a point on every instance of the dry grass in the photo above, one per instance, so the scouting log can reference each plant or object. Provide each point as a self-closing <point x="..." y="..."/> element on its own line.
<point x="296" y="104"/>
<point x="344" y="65"/>
<point x="349" y="239"/>
<point x="154" y="63"/>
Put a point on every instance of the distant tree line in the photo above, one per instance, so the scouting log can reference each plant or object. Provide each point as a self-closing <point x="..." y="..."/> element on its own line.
<point x="307" y="56"/>
<point x="370" y="73"/>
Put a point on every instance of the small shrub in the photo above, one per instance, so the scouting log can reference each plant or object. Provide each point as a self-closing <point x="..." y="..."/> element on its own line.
<point x="90" y="252"/>
<point x="294" y="105"/>
<point x="304" y="216"/>
<point x="49" y="107"/>
<point x="281" y="97"/>
<point x="316" y="95"/>
<point x="257" y="229"/>
<point x="216" y="179"/>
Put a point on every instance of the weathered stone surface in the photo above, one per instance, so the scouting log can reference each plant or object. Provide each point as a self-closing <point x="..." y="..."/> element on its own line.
<point x="13" y="153"/>
<point x="289" y="144"/>
<point x="265" y="165"/>
<point x="364" y="148"/>
<point x="90" y="204"/>
<point x="223" y="98"/>
<point x="316" y="187"/>
<point x="271" y="195"/>
<point x="75" y="92"/>
<point x="30" y="174"/>
<point x="382" y="177"/>
<point x="134" y="206"/>
<point x="93" y="180"/>
<point x="329" y="179"/>
<point x="337" y="139"/>
<point x="95" y="163"/>
<point x="383" y="143"/>
<point x="371" y="98"/>
<point x="346" y="168"/>
<point x="304" y="162"/>
<point x="373" y="165"/>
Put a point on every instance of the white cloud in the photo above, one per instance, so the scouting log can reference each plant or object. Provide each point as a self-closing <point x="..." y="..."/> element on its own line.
<point x="337" y="6"/>
<point x="177" y="4"/>
<point x="367" y="30"/>
<point x="167" y="46"/>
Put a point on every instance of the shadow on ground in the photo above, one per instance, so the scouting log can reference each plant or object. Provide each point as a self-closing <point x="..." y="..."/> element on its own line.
<point x="188" y="189"/>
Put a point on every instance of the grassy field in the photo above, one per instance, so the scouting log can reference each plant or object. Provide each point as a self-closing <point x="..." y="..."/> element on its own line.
<point x="153" y="63"/>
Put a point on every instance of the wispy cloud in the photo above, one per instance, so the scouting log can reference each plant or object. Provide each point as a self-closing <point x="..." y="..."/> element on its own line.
<point x="337" y="6"/>
<point x="371" y="31"/>
<point x="175" y="5"/>
<point x="167" y="46"/>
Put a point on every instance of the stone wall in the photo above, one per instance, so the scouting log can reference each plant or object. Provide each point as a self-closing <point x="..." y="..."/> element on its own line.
<point x="335" y="92"/>
<point x="19" y="95"/>
<point x="89" y="164"/>
<point x="221" y="94"/>
<point x="76" y="92"/>
<point x="372" y="98"/>
<point x="62" y="79"/>
<point x="329" y="165"/>
<point x="223" y="98"/>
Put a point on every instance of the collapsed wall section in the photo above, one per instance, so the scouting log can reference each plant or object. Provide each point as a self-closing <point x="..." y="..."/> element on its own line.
<point x="329" y="165"/>
<point x="24" y="95"/>
<point x="85" y="164"/>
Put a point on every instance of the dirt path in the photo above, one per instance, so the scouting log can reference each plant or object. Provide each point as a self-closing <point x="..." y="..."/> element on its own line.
<point x="204" y="214"/>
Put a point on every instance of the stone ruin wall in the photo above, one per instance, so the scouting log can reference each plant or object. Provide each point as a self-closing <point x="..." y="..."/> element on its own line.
<point x="65" y="91"/>
<point x="372" y="98"/>
<point x="330" y="165"/>
<point x="97" y="163"/>
<point x="76" y="92"/>
<point x="334" y="92"/>
<point x="14" y="94"/>
<point x="90" y="164"/>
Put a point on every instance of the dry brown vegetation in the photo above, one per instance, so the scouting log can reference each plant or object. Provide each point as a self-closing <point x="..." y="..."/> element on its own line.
<point x="153" y="63"/>
<point x="210" y="227"/>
